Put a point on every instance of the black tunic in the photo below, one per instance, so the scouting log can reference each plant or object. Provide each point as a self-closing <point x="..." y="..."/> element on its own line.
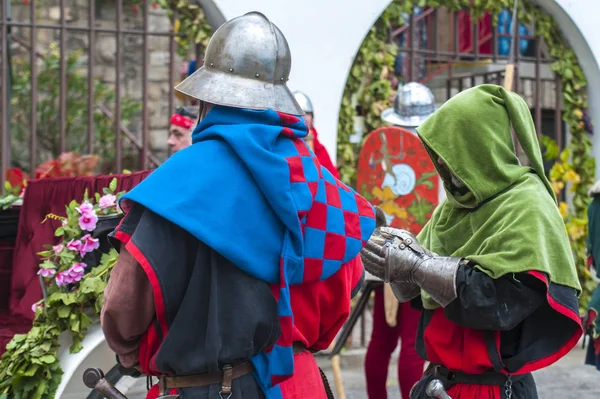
<point x="208" y="312"/>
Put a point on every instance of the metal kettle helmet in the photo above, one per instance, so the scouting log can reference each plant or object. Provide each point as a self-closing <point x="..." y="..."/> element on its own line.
<point x="413" y="103"/>
<point x="246" y="65"/>
<point x="304" y="102"/>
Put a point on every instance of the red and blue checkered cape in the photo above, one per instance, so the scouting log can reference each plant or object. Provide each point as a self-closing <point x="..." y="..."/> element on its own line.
<point x="250" y="188"/>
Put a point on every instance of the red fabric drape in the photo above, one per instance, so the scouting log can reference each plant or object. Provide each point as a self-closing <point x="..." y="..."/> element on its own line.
<point x="466" y="38"/>
<point x="323" y="156"/>
<point x="7" y="247"/>
<point x="41" y="198"/>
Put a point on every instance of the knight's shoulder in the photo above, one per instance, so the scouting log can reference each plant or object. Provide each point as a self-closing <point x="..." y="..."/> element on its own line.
<point x="528" y="195"/>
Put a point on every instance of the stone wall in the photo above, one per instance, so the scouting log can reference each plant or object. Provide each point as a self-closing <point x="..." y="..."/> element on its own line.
<point x="104" y="55"/>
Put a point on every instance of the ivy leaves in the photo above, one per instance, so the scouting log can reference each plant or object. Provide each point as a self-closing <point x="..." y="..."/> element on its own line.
<point x="190" y="24"/>
<point x="11" y="195"/>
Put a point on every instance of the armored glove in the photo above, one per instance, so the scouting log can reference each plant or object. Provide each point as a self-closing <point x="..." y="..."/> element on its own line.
<point x="403" y="291"/>
<point x="397" y="257"/>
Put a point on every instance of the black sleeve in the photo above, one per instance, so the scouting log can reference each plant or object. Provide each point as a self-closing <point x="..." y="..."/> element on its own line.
<point x="485" y="303"/>
<point x="127" y="225"/>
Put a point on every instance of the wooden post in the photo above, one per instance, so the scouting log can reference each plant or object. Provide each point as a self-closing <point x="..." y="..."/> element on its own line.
<point x="337" y="377"/>
<point x="337" y="374"/>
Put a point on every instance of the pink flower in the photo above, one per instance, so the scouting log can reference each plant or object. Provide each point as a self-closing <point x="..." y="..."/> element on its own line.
<point x="46" y="272"/>
<point x="63" y="278"/>
<point x="72" y="275"/>
<point x="89" y="244"/>
<point x="76" y="271"/>
<point x="74" y="245"/>
<point x="107" y="201"/>
<point x="88" y="220"/>
<point x="64" y="222"/>
<point x="35" y="306"/>
<point x="57" y="249"/>
<point x="85" y="207"/>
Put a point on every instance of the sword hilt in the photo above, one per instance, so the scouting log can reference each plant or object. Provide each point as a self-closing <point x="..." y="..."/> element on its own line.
<point x="435" y="389"/>
<point x="94" y="378"/>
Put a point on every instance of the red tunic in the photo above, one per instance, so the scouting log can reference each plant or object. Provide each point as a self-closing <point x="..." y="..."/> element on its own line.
<point x="322" y="155"/>
<point x="514" y="325"/>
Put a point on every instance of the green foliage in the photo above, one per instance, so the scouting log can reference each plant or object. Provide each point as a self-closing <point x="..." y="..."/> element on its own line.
<point x="190" y="24"/>
<point x="551" y="149"/>
<point x="48" y="112"/>
<point x="29" y="369"/>
<point x="368" y="83"/>
<point x="10" y="196"/>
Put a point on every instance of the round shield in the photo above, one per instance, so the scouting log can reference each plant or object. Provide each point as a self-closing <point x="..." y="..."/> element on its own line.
<point x="396" y="174"/>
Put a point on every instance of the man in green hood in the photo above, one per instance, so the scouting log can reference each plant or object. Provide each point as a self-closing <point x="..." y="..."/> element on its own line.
<point x="492" y="271"/>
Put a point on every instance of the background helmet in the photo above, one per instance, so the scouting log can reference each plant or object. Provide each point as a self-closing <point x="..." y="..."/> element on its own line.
<point x="413" y="104"/>
<point x="304" y="102"/>
<point x="246" y="65"/>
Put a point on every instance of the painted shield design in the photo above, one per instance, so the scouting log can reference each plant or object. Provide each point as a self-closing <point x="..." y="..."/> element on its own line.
<point x="395" y="173"/>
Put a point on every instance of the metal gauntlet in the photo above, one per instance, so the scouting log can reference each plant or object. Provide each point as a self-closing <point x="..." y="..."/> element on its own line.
<point x="405" y="291"/>
<point x="437" y="276"/>
<point x="398" y="258"/>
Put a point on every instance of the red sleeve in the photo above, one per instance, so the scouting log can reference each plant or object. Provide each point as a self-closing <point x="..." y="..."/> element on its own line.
<point x="322" y="307"/>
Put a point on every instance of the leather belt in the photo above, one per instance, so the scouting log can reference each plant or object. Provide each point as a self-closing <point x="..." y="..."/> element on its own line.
<point x="298" y="347"/>
<point x="489" y="377"/>
<point x="224" y="377"/>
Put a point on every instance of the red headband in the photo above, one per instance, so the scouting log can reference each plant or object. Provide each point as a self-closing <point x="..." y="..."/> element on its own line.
<point x="182" y="121"/>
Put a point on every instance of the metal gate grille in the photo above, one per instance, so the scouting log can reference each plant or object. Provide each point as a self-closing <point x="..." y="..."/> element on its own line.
<point x="138" y="141"/>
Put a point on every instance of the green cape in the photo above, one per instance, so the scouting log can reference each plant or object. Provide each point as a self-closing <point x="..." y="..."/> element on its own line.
<point x="508" y="222"/>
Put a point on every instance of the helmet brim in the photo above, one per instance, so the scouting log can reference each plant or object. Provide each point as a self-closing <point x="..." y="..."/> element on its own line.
<point x="393" y="118"/>
<point x="216" y="87"/>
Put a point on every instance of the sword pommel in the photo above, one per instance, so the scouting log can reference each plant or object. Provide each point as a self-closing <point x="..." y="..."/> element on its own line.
<point x="94" y="378"/>
<point x="435" y="389"/>
<point x="91" y="377"/>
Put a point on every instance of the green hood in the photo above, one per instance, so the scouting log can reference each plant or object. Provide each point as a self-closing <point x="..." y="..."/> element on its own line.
<point x="472" y="134"/>
<point x="508" y="221"/>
